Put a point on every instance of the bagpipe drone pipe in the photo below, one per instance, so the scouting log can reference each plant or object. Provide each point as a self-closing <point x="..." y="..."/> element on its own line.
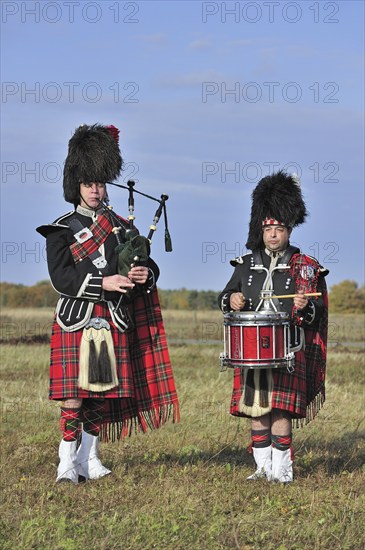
<point x="134" y="249"/>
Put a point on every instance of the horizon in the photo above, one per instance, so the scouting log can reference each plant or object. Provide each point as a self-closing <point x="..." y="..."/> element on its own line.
<point x="170" y="289"/>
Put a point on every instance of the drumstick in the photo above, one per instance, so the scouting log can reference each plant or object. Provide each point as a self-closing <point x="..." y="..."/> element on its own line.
<point x="293" y="295"/>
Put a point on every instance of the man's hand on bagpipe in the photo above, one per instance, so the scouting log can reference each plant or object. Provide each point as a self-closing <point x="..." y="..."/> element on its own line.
<point x="138" y="274"/>
<point x="117" y="283"/>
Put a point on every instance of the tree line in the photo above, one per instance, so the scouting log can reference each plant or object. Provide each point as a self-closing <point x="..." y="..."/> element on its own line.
<point x="345" y="297"/>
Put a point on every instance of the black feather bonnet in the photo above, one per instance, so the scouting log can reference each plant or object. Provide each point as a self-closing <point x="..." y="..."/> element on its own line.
<point x="93" y="156"/>
<point x="279" y="197"/>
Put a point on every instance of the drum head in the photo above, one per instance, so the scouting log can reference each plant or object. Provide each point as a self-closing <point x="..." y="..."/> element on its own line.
<point x="262" y="317"/>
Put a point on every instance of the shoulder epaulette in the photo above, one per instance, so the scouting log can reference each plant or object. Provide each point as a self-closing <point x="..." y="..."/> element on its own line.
<point x="239" y="259"/>
<point x="59" y="220"/>
<point x="58" y="224"/>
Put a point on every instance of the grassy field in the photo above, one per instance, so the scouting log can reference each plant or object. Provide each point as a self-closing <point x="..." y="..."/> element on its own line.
<point x="183" y="486"/>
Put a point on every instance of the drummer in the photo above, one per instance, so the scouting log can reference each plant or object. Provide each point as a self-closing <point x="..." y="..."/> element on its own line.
<point x="277" y="398"/>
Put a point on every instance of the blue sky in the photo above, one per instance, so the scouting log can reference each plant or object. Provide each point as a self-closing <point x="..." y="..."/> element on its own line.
<point x="209" y="97"/>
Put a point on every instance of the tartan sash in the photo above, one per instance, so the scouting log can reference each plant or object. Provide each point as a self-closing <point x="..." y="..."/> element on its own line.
<point x="100" y="230"/>
<point x="305" y="272"/>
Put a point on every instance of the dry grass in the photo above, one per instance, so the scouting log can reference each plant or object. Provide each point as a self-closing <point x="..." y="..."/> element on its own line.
<point x="183" y="486"/>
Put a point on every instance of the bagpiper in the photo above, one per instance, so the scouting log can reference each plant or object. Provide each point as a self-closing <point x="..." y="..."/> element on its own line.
<point x="110" y="367"/>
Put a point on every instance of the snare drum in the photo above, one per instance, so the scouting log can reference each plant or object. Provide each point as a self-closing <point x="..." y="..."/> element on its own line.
<point x="258" y="339"/>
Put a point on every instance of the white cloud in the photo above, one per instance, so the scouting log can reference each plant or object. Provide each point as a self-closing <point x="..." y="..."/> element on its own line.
<point x="156" y="39"/>
<point x="201" y="44"/>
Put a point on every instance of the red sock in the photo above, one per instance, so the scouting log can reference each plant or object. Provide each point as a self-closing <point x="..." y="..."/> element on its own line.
<point x="261" y="438"/>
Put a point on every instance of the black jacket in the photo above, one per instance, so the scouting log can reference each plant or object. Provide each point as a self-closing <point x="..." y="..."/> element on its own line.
<point x="80" y="284"/>
<point x="250" y="282"/>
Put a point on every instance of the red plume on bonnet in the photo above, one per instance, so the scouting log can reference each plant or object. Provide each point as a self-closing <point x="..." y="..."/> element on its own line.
<point x="114" y="132"/>
<point x="93" y="156"/>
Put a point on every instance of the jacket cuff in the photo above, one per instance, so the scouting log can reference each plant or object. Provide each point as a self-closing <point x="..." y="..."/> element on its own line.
<point x="308" y="314"/>
<point x="225" y="302"/>
<point x="151" y="281"/>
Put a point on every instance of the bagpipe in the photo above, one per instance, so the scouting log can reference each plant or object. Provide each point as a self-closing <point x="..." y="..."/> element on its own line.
<point x="134" y="249"/>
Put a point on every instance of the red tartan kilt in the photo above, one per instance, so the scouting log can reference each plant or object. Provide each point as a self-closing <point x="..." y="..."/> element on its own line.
<point x="289" y="389"/>
<point x="64" y="365"/>
<point x="146" y="395"/>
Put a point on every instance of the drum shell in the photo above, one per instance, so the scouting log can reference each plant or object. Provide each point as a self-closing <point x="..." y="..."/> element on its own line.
<point x="259" y="339"/>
